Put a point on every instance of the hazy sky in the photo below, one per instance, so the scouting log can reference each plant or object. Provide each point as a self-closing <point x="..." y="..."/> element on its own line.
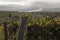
<point x="28" y="5"/>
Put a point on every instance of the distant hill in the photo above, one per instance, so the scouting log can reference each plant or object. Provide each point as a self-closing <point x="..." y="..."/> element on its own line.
<point x="6" y="13"/>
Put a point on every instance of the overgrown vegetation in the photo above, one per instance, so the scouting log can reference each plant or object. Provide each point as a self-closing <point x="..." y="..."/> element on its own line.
<point x="39" y="27"/>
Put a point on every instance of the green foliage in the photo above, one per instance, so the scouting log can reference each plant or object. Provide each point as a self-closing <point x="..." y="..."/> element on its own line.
<point x="35" y="29"/>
